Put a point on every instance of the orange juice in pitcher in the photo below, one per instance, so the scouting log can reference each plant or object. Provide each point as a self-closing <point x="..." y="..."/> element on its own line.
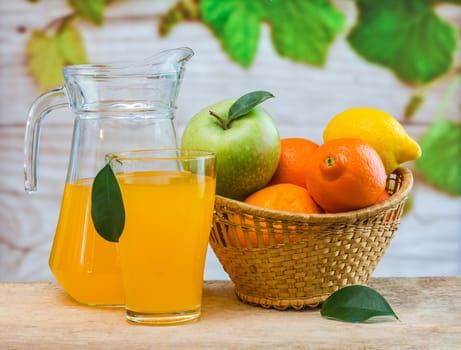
<point x="122" y="106"/>
<point x="86" y="265"/>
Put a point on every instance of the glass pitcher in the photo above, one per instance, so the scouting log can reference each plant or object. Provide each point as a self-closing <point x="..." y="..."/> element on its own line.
<point x="117" y="107"/>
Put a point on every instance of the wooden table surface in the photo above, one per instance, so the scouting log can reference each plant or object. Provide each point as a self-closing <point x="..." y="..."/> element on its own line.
<point x="42" y="316"/>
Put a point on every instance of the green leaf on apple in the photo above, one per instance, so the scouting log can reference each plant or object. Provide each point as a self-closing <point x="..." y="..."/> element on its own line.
<point x="407" y="37"/>
<point x="246" y="103"/>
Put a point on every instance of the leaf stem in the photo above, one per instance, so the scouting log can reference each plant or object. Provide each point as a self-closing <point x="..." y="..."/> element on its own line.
<point x="221" y="120"/>
<point x="447" y="96"/>
<point x="59" y="22"/>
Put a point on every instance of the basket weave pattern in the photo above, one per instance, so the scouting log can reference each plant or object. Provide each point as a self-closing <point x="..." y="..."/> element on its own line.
<point x="300" y="259"/>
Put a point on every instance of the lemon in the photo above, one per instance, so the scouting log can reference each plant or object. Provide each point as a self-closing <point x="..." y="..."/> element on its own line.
<point x="380" y="130"/>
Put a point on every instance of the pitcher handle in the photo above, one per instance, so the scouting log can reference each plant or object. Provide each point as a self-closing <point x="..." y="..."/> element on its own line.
<point x="44" y="104"/>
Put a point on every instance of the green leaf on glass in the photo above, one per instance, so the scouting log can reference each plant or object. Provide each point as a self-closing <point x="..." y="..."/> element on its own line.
<point x="356" y="304"/>
<point x="107" y="209"/>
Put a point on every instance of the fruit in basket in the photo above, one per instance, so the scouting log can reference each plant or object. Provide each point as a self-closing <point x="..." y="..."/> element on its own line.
<point x="384" y="196"/>
<point x="292" y="167"/>
<point x="245" y="140"/>
<point x="345" y="174"/>
<point x="285" y="197"/>
<point x="378" y="128"/>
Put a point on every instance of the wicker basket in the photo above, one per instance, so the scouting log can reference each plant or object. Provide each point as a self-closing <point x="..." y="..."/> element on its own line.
<point x="284" y="260"/>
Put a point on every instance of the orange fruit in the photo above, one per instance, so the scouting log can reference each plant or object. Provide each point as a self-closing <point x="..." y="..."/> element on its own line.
<point x="285" y="197"/>
<point x="345" y="174"/>
<point x="292" y="165"/>
<point x="384" y="195"/>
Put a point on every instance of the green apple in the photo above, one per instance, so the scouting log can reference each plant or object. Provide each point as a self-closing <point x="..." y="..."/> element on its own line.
<point x="245" y="140"/>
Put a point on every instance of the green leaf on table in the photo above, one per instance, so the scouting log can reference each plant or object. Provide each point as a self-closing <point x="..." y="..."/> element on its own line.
<point x="407" y="37"/>
<point x="304" y="30"/>
<point x="440" y="162"/>
<point x="92" y="10"/>
<point x="356" y="304"/>
<point x="246" y="103"/>
<point x="301" y="30"/>
<point x="48" y="53"/>
<point x="107" y="209"/>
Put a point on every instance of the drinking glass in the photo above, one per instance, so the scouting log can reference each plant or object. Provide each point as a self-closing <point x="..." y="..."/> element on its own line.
<point x="168" y="196"/>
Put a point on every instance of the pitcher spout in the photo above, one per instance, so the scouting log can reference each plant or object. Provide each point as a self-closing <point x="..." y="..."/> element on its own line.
<point x="168" y="60"/>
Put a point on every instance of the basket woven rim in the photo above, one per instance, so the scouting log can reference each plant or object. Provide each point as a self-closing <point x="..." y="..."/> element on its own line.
<point x="394" y="199"/>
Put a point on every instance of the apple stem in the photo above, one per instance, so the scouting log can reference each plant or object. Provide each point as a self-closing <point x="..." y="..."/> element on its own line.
<point x="221" y="120"/>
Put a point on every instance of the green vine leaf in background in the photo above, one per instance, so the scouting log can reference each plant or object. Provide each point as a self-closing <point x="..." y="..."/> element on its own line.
<point x="440" y="163"/>
<point x="407" y="37"/>
<point x="48" y="53"/>
<point x="91" y="10"/>
<point x="44" y="60"/>
<point x="237" y="25"/>
<point x="70" y="45"/>
<point x="181" y="11"/>
<point x="304" y="30"/>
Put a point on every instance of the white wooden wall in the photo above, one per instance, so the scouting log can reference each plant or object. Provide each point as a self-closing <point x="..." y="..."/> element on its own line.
<point x="428" y="241"/>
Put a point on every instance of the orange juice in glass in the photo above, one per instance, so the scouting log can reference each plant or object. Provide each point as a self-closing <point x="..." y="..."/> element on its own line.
<point x="168" y="197"/>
